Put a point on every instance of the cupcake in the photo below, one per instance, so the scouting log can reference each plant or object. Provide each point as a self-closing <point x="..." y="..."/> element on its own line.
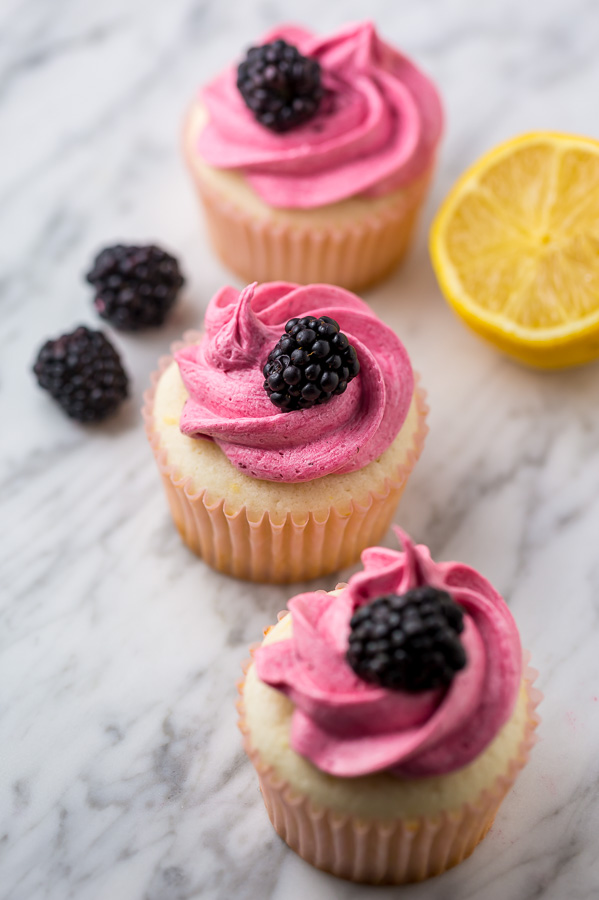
<point x="314" y="156"/>
<point x="285" y="433"/>
<point x="388" y="719"/>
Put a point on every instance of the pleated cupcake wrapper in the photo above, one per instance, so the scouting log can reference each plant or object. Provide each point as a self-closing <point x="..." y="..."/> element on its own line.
<point x="379" y="851"/>
<point x="269" y="549"/>
<point x="353" y="256"/>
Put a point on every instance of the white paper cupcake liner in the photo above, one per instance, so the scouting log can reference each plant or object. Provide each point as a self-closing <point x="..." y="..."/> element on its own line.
<point x="271" y="548"/>
<point x="379" y="851"/>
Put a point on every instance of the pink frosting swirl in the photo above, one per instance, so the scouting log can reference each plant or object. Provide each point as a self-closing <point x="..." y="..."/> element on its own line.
<point x="348" y="727"/>
<point x="228" y="404"/>
<point x="377" y="128"/>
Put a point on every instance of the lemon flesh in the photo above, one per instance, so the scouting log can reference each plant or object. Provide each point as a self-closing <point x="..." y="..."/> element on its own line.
<point x="515" y="247"/>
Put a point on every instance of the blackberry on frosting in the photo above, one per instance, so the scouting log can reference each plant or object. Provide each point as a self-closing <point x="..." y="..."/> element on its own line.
<point x="408" y="641"/>
<point x="310" y="363"/>
<point x="279" y="85"/>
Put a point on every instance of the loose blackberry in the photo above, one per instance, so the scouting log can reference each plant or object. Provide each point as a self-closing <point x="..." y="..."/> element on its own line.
<point x="83" y="372"/>
<point x="309" y="364"/>
<point x="280" y="86"/>
<point x="408" y="642"/>
<point x="135" y="286"/>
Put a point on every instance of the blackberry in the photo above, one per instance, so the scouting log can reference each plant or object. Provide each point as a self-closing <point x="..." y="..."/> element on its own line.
<point x="83" y="372"/>
<point x="281" y="87"/>
<point x="309" y="364"/>
<point x="135" y="286"/>
<point x="408" y="642"/>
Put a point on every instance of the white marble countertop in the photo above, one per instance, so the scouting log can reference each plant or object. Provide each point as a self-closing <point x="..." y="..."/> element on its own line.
<point x="121" y="768"/>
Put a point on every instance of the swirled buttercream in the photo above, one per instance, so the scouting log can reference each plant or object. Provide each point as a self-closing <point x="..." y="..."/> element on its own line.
<point x="377" y="128"/>
<point x="348" y="727"/>
<point x="228" y="404"/>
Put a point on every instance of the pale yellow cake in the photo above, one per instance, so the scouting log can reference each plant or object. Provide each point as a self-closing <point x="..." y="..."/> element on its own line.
<point x="380" y="796"/>
<point x="352" y="243"/>
<point x="234" y="187"/>
<point x="208" y="469"/>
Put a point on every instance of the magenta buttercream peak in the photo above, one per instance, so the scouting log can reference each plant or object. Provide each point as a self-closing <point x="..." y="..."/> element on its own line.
<point x="377" y="128"/>
<point x="349" y="727"/>
<point x="227" y="403"/>
<point x="241" y="338"/>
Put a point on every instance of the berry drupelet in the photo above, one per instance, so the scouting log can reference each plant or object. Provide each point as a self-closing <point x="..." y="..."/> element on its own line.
<point x="83" y="372"/>
<point x="310" y="363"/>
<point x="408" y="642"/>
<point x="280" y="86"/>
<point x="135" y="286"/>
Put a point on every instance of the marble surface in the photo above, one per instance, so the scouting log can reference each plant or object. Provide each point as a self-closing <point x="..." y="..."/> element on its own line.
<point x="121" y="768"/>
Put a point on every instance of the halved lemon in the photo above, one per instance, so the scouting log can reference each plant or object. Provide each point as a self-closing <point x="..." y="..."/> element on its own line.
<point x="515" y="247"/>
